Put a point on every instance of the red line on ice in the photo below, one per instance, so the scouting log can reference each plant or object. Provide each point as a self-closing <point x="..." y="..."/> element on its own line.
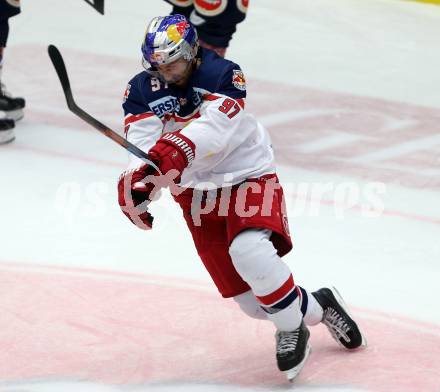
<point x="115" y="330"/>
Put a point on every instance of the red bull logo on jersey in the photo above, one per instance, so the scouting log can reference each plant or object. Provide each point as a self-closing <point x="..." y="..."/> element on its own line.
<point x="238" y="79"/>
<point x="126" y="93"/>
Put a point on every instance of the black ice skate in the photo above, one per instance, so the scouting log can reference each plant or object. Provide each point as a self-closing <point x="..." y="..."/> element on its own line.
<point x="11" y="107"/>
<point x="337" y="319"/>
<point x="6" y="131"/>
<point x="292" y="350"/>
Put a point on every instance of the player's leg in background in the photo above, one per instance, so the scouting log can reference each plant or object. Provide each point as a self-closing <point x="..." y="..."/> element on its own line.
<point x="216" y="22"/>
<point x="11" y="108"/>
<point x="6" y="125"/>
<point x="182" y="7"/>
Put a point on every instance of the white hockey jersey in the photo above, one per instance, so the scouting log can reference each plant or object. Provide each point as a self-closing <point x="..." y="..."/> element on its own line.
<point x="230" y="144"/>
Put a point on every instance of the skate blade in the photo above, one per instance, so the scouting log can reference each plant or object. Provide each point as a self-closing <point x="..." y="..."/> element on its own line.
<point x="292" y="373"/>
<point x="341" y="302"/>
<point x="15" y="115"/>
<point x="7" y="137"/>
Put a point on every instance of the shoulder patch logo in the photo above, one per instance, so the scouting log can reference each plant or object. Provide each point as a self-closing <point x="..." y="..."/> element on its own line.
<point x="126" y="93"/>
<point x="238" y="79"/>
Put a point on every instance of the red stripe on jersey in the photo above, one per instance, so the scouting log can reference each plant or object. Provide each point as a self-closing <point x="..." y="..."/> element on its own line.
<point x="211" y="97"/>
<point x="176" y="118"/>
<point x="183" y="119"/>
<point x="137" y="117"/>
<point x="278" y="294"/>
<point x="240" y="102"/>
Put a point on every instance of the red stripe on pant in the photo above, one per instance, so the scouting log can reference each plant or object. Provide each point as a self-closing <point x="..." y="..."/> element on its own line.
<point x="278" y="294"/>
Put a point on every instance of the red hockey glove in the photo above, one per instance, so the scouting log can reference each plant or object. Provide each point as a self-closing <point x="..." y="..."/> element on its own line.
<point x="134" y="195"/>
<point x="136" y="188"/>
<point x="173" y="151"/>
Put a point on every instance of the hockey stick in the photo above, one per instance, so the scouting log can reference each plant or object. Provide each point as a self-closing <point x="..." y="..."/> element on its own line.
<point x="98" y="5"/>
<point x="60" y="68"/>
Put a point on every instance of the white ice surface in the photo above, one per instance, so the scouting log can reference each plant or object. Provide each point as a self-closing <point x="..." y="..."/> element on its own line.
<point x="378" y="48"/>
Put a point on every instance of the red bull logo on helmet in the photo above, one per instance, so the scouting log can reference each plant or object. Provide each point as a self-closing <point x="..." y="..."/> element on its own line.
<point x="177" y="31"/>
<point x="157" y="57"/>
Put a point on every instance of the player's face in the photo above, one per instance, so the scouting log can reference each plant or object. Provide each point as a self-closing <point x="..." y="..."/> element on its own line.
<point x="176" y="72"/>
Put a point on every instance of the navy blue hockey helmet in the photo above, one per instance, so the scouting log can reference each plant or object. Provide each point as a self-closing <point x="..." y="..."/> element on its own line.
<point x="167" y="39"/>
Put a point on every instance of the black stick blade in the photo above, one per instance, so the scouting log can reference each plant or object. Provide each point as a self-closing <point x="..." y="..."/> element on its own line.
<point x="60" y="68"/>
<point x="98" y="5"/>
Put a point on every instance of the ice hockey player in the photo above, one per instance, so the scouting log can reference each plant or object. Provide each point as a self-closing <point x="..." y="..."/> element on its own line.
<point x="215" y="21"/>
<point x="187" y="111"/>
<point x="11" y="109"/>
